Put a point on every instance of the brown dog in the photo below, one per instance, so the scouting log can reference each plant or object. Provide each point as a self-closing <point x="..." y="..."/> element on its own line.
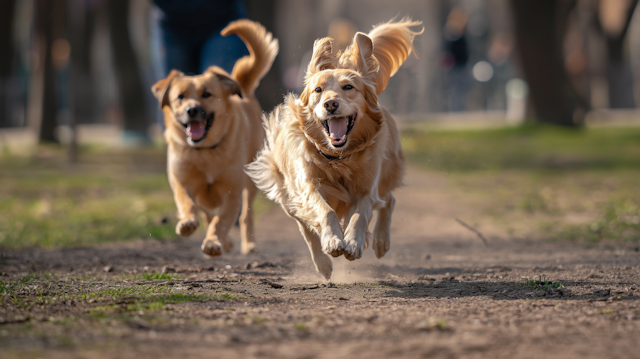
<point x="333" y="155"/>
<point x="213" y="129"/>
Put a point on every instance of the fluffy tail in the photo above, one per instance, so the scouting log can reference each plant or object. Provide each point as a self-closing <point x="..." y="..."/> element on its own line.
<point x="392" y="44"/>
<point x="264" y="170"/>
<point x="263" y="48"/>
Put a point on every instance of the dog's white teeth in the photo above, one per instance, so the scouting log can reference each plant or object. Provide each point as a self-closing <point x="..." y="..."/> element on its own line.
<point x="344" y="137"/>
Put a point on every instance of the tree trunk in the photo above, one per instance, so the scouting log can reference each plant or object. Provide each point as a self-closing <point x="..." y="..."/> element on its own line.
<point x="619" y="73"/>
<point x="82" y="25"/>
<point x="7" y="13"/>
<point x="43" y="104"/>
<point x="539" y="29"/>
<point x="130" y="89"/>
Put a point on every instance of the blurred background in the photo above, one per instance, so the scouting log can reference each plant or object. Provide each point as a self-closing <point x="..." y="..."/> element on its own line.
<point x="527" y="107"/>
<point x="67" y="64"/>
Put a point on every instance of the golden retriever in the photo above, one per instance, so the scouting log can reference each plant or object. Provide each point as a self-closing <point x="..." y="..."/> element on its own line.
<point x="333" y="155"/>
<point x="213" y="129"/>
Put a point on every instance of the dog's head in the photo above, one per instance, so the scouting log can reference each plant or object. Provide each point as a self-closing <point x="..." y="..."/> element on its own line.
<point x="338" y="108"/>
<point x="197" y="106"/>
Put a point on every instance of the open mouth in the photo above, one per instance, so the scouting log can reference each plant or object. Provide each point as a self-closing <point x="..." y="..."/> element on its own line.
<point x="338" y="128"/>
<point x="197" y="129"/>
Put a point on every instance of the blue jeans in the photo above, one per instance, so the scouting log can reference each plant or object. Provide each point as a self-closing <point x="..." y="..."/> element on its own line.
<point x="193" y="54"/>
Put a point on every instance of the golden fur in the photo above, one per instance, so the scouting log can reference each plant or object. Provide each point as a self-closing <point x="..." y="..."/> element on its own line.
<point x="207" y="172"/>
<point x="333" y="155"/>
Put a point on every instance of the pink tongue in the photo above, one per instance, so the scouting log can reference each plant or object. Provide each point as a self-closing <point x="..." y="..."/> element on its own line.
<point x="337" y="128"/>
<point x="195" y="130"/>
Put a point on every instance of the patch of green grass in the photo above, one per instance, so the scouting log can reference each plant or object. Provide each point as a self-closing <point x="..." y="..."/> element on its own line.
<point x="54" y="209"/>
<point x="227" y="296"/>
<point x="154" y="276"/>
<point x="529" y="147"/>
<point x="300" y="326"/>
<point x="617" y="220"/>
<point x="10" y="287"/>
<point x="109" y="195"/>
<point x="369" y="285"/>
<point x="538" y="181"/>
<point x="147" y="303"/>
<point x="540" y="284"/>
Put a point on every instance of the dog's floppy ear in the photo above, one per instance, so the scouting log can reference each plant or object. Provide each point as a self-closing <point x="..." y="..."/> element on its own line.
<point x="229" y="85"/>
<point x="321" y="58"/>
<point x="161" y="88"/>
<point x="359" y="56"/>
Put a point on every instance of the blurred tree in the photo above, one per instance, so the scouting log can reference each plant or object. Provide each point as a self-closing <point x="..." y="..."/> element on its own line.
<point x="82" y="17"/>
<point x="7" y="13"/>
<point x="42" y="107"/>
<point x="80" y="85"/>
<point x="614" y="17"/>
<point x="539" y="28"/>
<point x="130" y="89"/>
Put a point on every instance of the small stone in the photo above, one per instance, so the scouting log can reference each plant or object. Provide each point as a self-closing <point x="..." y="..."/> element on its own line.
<point x="107" y="269"/>
<point x="168" y="269"/>
<point x="228" y="266"/>
<point x="272" y="284"/>
<point x="427" y="257"/>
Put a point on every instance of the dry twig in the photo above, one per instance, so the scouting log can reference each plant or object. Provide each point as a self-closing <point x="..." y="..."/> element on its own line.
<point x="484" y="240"/>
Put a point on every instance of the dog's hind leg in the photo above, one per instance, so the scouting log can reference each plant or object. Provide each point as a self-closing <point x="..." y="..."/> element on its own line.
<point x="320" y="259"/>
<point x="382" y="231"/>
<point x="246" y="219"/>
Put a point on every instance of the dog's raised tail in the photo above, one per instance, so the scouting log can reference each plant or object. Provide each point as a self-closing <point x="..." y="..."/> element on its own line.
<point x="263" y="48"/>
<point x="392" y="44"/>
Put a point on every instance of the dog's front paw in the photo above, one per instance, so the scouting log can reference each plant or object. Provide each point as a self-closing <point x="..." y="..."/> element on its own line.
<point x="211" y="247"/>
<point x="332" y="244"/>
<point x="331" y="238"/>
<point x="187" y="226"/>
<point x="355" y="243"/>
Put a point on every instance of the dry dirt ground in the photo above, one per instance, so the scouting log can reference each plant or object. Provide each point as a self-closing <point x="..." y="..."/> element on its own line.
<point x="438" y="293"/>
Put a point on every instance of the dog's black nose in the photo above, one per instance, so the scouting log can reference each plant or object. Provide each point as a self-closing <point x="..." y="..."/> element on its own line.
<point x="195" y="111"/>
<point x="331" y="105"/>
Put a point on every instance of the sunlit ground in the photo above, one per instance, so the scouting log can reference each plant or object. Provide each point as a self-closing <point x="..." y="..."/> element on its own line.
<point x="541" y="182"/>
<point x="538" y="182"/>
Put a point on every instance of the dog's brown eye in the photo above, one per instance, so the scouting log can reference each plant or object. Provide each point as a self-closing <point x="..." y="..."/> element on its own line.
<point x="318" y="89"/>
<point x="206" y="95"/>
<point x="180" y="96"/>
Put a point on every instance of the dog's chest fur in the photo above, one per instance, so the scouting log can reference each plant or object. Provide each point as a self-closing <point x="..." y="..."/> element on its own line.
<point x="209" y="165"/>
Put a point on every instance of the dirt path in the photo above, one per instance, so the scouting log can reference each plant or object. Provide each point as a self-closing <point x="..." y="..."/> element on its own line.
<point x="438" y="293"/>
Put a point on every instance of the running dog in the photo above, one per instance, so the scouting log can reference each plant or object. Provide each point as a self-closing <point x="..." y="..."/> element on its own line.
<point x="213" y="129"/>
<point x="333" y="155"/>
